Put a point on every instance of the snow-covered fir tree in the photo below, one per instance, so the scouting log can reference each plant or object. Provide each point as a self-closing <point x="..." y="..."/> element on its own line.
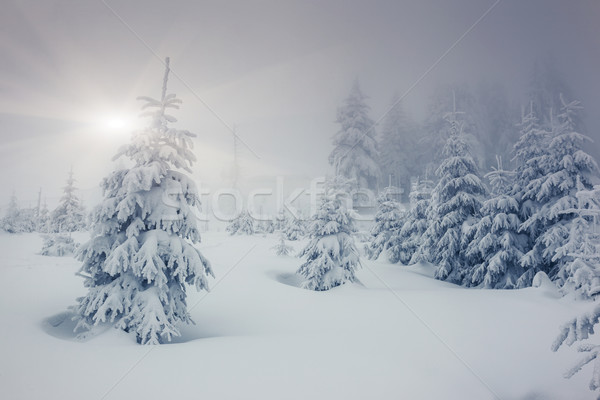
<point x="546" y="86"/>
<point x="43" y="219"/>
<point x="331" y="257"/>
<point x="10" y="221"/>
<point x="388" y="221"/>
<point x="266" y="226"/>
<point x="355" y="148"/>
<point x="436" y="127"/>
<point x="456" y="202"/>
<point x="405" y="242"/>
<point x="17" y="220"/>
<point x="243" y="224"/>
<point x="295" y="229"/>
<point x="580" y="274"/>
<point x="397" y="158"/>
<point x="280" y="220"/>
<point x="142" y="254"/>
<point x="58" y="245"/>
<point x="427" y="242"/>
<point x="281" y="248"/>
<point x="69" y="215"/>
<point x="554" y="192"/>
<point x="28" y="218"/>
<point x="495" y="116"/>
<point x="529" y="151"/>
<point x="494" y="244"/>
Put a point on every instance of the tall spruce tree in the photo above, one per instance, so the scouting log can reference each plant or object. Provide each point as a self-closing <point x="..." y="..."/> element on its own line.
<point x="397" y="158"/>
<point x="142" y="253"/>
<point x="580" y="274"/>
<point x="456" y="203"/>
<point x="546" y="86"/>
<point x="437" y="129"/>
<point x="69" y="215"/>
<point x="421" y="216"/>
<point x="355" y="148"/>
<point x="43" y="218"/>
<point x="554" y="191"/>
<point x="494" y="244"/>
<point x="405" y="242"/>
<point x="529" y="152"/>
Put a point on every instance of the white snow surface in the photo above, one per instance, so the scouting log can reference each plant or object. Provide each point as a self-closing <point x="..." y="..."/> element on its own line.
<point x="397" y="334"/>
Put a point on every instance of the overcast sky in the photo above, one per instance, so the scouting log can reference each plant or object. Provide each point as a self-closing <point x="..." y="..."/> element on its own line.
<point x="277" y="70"/>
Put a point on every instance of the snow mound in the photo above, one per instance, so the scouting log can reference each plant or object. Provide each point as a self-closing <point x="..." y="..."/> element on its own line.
<point x="541" y="281"/>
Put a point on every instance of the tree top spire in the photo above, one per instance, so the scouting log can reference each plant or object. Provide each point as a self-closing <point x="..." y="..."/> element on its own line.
<point x="165" y="79"/>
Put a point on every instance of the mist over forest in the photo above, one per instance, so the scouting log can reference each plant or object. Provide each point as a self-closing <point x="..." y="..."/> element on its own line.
<point x="278" y="72"/>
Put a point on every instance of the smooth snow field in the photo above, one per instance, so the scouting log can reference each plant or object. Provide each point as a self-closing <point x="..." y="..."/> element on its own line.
<point x="398" y="334"/>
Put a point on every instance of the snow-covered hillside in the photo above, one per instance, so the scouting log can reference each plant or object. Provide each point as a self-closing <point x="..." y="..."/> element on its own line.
<point x="398" y="334"/>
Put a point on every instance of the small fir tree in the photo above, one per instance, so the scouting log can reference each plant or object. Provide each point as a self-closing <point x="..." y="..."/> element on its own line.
<point x="69" y="215"/>
<point x="331" y="257"/>
<point x="281" y="248"/>
<point x="295" y="228"/>
<point x="267" y="226"/>
<point x="43" y="219"/>
<point x="388" y="221"/>
<point x="405" y="242"/>
<point x="280" y="221"/>
<point x="58" y="245"/>
<point x="242" y="225"/>
<point x="17" y="220"/>
<point x="10" y="222"/>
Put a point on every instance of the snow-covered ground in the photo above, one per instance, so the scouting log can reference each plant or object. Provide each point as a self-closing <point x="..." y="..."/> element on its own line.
<point x="399" y="334"/>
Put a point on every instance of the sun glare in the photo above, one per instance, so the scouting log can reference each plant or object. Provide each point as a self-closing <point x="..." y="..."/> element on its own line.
<point x="116" y="124"/>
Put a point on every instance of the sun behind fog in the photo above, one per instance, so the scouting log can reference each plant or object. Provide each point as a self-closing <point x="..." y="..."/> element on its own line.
<point x="113" y="126"/>
<point x="117" y="124"/>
